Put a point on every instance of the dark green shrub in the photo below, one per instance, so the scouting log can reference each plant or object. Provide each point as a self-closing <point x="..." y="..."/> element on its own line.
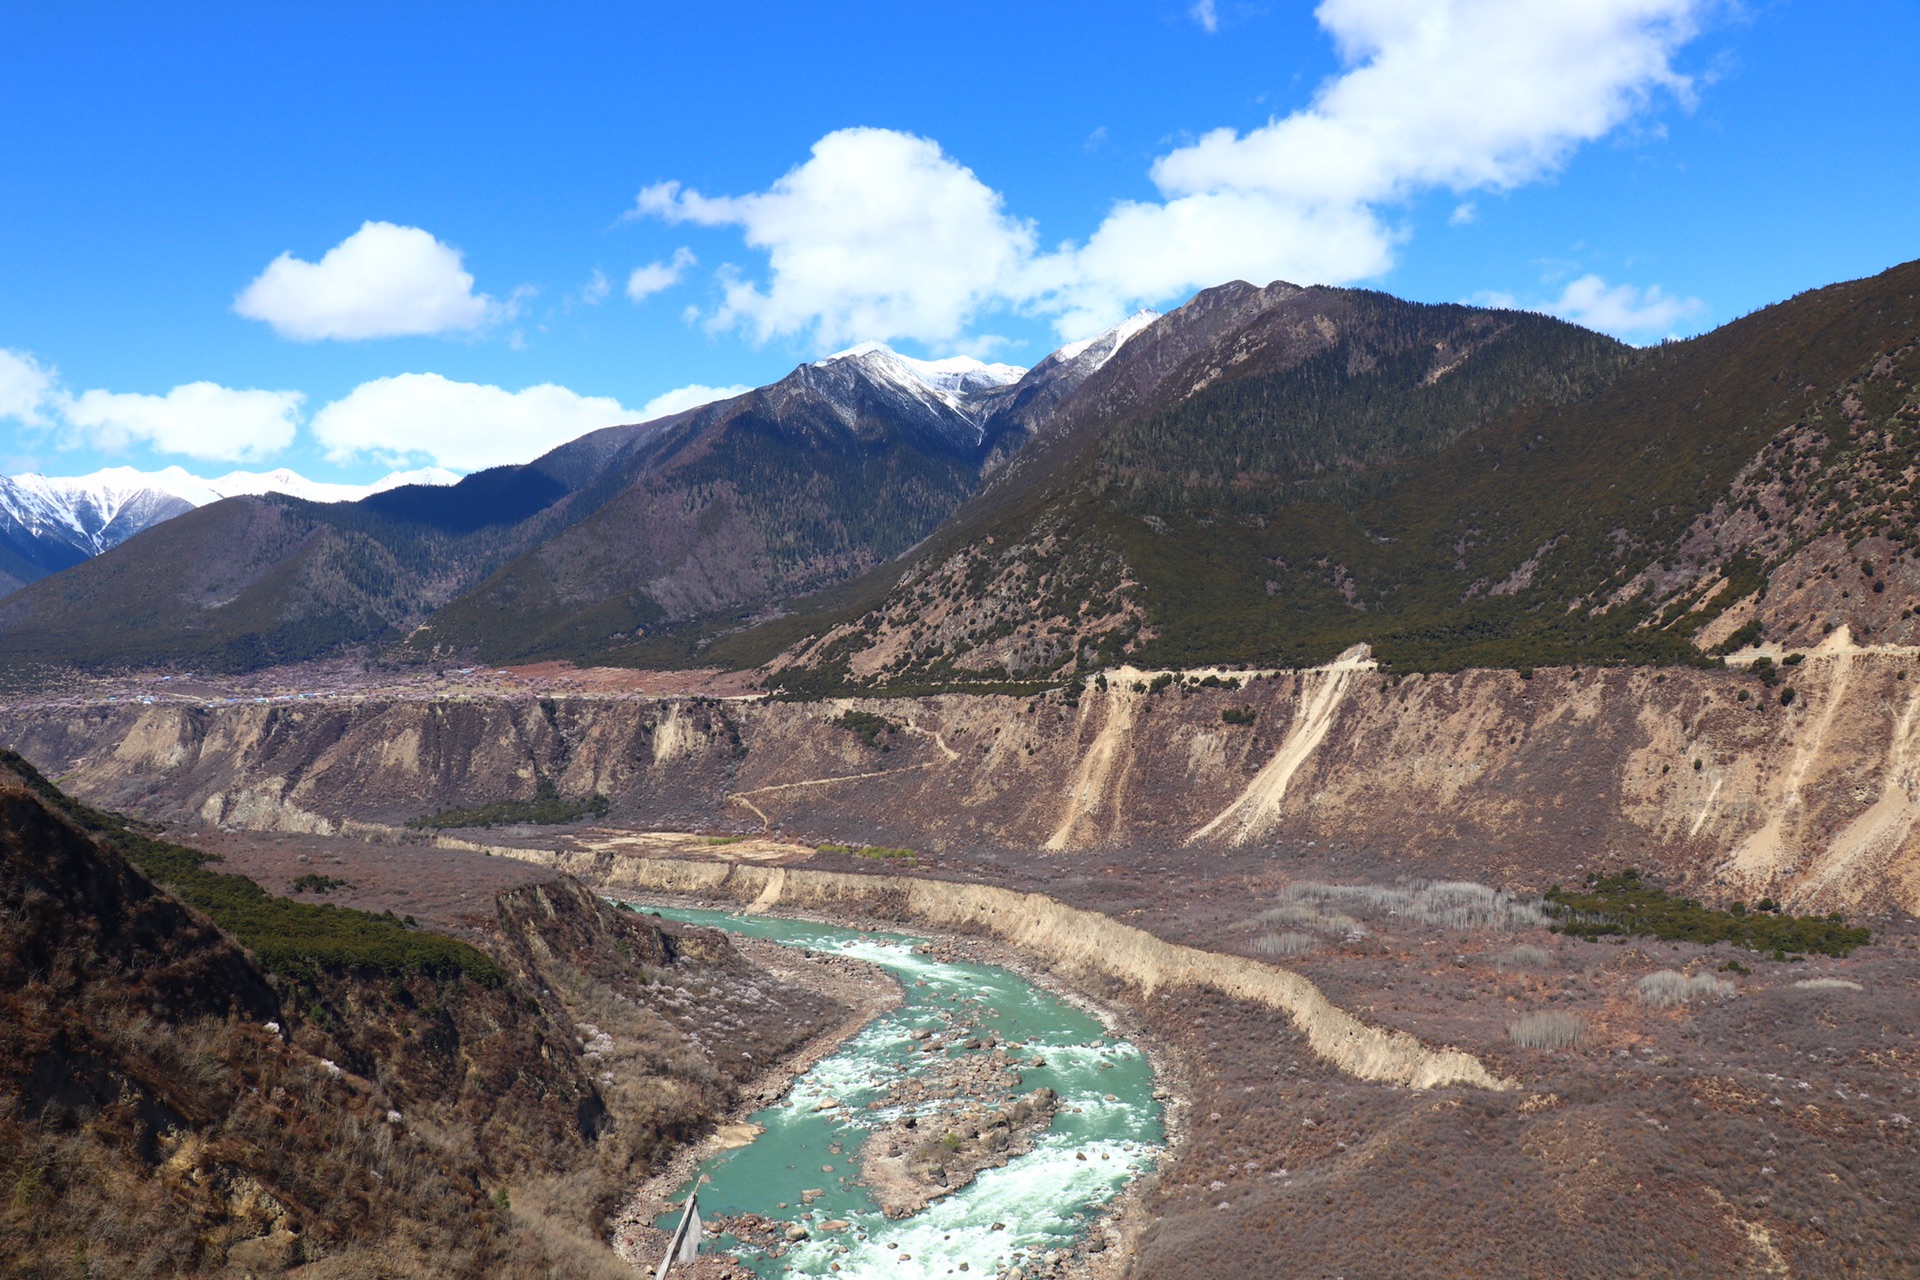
<point x="908" y="856"/>
<point x="1239" y="715"/>
<point x="868" y="727"/>
<point x="313" y="882"/>
<point x="545" y="809"/>
<point x="1623" y="905"/>
<point x="1748" y="633"/>
<point x="294" y="939"/>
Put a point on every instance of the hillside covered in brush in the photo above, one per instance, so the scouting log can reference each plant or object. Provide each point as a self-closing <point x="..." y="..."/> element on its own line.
<point x="197" y="1075"/>
<point x="1453" y="487"/>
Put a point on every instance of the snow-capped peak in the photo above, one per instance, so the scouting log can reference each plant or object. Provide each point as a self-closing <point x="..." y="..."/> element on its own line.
<point x="293" y="484"/>
<point x="104" y="508"/>
<point x="1105" y="344"/>
<point x="955" y="374"/>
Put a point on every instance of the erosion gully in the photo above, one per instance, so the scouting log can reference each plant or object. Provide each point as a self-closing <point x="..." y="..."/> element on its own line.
<point x="804" y="1169"/>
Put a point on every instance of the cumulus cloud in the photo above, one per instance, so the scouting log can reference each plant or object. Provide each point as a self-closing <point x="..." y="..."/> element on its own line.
<point x="880" y="234"/>
<point x="691" y="396"/>
<point x="199" y="419"/>
<point x="26" y="387"/>
<point x="1623" y="310"/>
<point x="465" y="426"/>
<point x="657" y="276"/>
<point x="383" y="281"/>
<point x="877" y="234"/>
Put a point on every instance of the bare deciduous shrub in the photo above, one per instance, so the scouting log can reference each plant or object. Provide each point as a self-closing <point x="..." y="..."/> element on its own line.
<point x="1828" y="984"/>
<point x="1446" y="904"/>
<point x="1665" y="989"/>
<point x="1547" y="1031"/>
<point x="1524" y="956"/>
<point x="1284" y="944"/>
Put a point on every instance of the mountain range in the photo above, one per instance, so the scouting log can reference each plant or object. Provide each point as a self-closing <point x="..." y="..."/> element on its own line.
<point x="49" y="523"/>
<point x="1265" y="476"/>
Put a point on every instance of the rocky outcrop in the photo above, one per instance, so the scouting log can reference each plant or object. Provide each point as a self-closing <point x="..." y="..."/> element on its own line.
<point x="910" y="1162"/>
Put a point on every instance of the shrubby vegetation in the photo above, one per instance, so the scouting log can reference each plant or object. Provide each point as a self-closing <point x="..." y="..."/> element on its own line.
<point x="1447" y="904"/>
<point x="294" y="939"/>
<point x="547" y="808"/>
<point x="1285" y="943"/>
<point x="1664" y="988"/>
<point x="884" y="852"/>
<point x="1524" y="956"/>
<point x="1624" y="905"/>
<point x="867" y="727"/>
<point x="1547" y="1031"/>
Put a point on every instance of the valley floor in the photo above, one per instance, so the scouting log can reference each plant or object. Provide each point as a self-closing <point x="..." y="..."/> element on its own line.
<point x="1762" y="1125"/>
<point x="1763" y="1130"/>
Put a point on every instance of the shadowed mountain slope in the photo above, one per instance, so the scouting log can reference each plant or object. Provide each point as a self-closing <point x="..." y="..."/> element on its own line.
<point x="837" y="468"/>
<point x="256" y="580"/>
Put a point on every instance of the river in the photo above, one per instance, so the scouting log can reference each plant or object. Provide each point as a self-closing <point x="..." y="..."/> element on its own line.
<point x="1107" y="1128"/>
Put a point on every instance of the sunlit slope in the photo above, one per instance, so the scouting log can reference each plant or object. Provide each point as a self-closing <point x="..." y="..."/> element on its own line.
<point x="1453" y="487"/>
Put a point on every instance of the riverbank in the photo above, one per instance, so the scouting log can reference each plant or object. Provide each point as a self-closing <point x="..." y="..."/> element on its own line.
<point x="1105" y="1247"/>
<point x="867" y="990"/>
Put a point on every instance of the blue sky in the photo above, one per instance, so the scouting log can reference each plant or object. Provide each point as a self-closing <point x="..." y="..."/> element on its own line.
<point x="786" y="180"/>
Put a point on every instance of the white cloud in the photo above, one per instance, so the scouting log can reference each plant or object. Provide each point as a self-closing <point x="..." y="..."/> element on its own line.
<point x="657" y="276"/>
<point x="691" y="396"/>
<point x="595" y="290"/>
<point x="1463" y="214"/>
<point x="1622" y="310"/>
<point x="463" y="425"/>
<point x="881" y="235"/>
<point x="1204" y="13"/>
<point x="878" y="234"/>
<point x="199" y="419"/>
<point x="383" y="281"/>
<point x="26" y="386"/>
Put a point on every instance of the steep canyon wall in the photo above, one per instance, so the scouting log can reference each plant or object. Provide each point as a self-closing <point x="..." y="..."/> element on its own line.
<point x="1524" y="778"/>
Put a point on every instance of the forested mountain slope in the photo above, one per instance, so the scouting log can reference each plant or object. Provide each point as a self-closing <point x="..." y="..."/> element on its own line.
<point x="1453" y="487"/>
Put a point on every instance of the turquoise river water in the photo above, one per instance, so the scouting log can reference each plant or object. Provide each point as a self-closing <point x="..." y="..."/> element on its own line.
<point x="1041" y="1200"/>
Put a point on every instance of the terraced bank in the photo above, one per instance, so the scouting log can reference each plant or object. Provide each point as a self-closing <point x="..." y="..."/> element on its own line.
<point x="1078" y="941"/>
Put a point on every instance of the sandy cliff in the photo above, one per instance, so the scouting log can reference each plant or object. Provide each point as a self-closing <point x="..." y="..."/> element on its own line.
<point x="1806" y="787"/>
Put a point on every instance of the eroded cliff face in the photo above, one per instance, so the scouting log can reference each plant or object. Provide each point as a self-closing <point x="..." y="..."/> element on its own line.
<point x="1715" y="778"/>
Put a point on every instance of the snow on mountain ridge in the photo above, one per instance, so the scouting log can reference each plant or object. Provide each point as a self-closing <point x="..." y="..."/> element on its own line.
<point x="1119" y="334"/>
<point x="104" y="508"/>
<point x="954" y="374"/>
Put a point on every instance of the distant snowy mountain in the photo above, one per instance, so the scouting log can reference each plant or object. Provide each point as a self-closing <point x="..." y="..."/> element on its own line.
<point x="952" y="396"/>
<point x="49" y="523"/>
